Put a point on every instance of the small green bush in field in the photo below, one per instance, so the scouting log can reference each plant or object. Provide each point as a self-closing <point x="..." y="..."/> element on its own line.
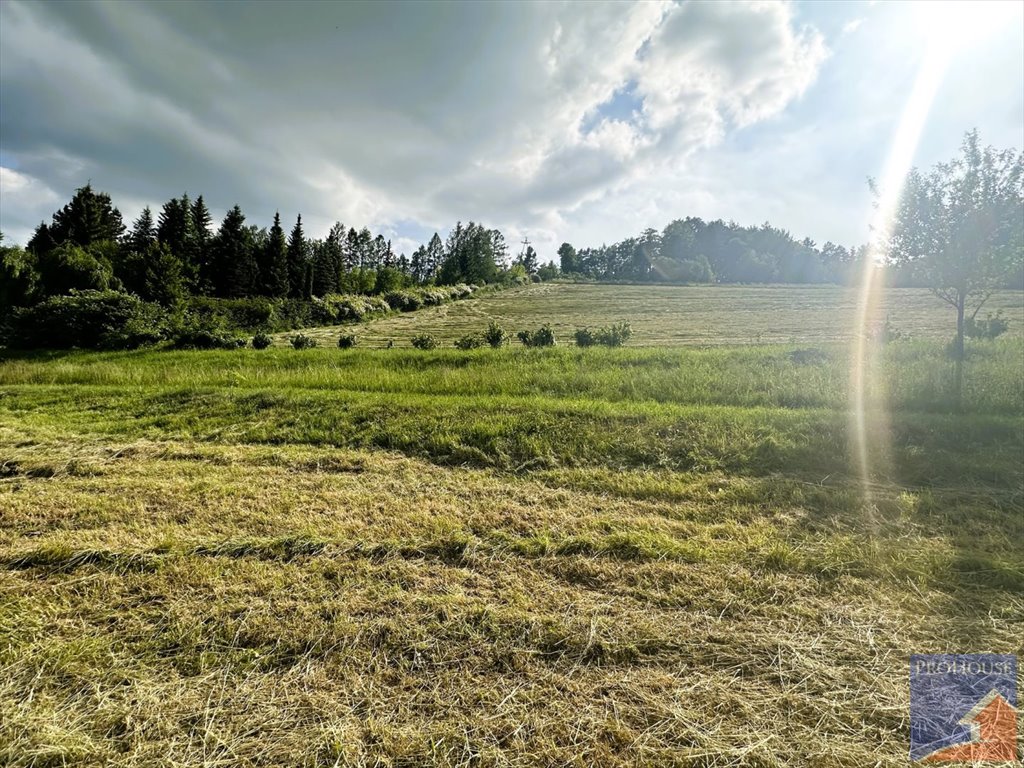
<point x="347" y="341"/>
<point x="424" y="341"/>
<point x="495" y="335"/>
<point x="584" y="337"/>
<point x="261" y="341"/>
<point x="194" y="332"/>
<point x="989" y="328"/>
<point x="614" y="335"/>
<point x="542" y="337"/>
<point x="472" y="341"/>
<point x="302" y="341"/>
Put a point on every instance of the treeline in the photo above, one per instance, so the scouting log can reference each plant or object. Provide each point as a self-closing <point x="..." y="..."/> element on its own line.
<point x="692" y="250"/>
<point x="178" y="255"/>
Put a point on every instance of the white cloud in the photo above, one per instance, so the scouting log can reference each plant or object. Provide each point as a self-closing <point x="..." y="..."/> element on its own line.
<point x="490" y="112"/>
<point x="25" y="202"/>
<point x="851" y="26"/>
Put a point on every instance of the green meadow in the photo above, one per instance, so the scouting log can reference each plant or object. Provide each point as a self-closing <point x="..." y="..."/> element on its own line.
<point x="663" y="554"/>
<point x="671" y="316"/>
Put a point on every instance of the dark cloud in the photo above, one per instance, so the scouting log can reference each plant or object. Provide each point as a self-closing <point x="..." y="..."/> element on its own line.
<point x="403" y="117"/>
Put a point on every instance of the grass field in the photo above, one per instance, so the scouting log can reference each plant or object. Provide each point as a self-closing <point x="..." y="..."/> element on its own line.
<point x="505" y="557"/>
<point x="670" y="316"/>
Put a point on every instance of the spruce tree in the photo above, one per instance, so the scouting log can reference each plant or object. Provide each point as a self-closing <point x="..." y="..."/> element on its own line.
<point x="235" y="270"/>
<point x="298" y="262"/>
<point x="274" y="262"/>
<point x="351" y="251"/>
<point x="88" y="219"/>
<point x="336" y="242"/>
<point x="174" y="224"/>
<point x="417" y="267"/>
<point x="434" y="257"/>
<point x="198" y="266"/>
<point x="143" y="231"/>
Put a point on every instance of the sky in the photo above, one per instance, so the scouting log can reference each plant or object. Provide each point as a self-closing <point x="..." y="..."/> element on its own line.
<point x="584" y="122"/>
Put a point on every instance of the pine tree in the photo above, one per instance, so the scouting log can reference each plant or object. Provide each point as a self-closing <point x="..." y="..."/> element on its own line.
<point x="274" y="262"/>
<point x="351" y="253"/>
<point x="198" y="265"/>
<point x="143" y="231"/>
<point x="418" y="266"/>
<point x="298" y="262"/>
<point x="379" y="252"/>
<point x="499" y="247"/>
<point x="528" y="260"/>
<point x="325" y="274"/>
<point x="365" y="249"/>
<point x="235" y="270"/>
<point x="89" y="218"/>
<point x="174" y="227"/>
<point x="336" y="243"/>
<point x="434" y="257"/>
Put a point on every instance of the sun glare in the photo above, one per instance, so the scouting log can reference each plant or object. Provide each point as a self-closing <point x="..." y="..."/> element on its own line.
<point x="959" y="23"/>
<point x="950" y="25"/>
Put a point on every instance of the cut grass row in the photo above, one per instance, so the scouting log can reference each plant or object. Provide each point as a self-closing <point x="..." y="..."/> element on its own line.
<point x="200" y="603"/>
<point x="494" y="558"/>
<point x="672" y="316"/>
<point x="531" y="433"/>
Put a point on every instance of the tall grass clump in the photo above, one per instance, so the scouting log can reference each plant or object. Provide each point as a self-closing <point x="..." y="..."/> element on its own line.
<point x="495" y="335"/>
<point x="614" y="335"/>
<point x="424" y="342"/>
<point x="542" y="337"/>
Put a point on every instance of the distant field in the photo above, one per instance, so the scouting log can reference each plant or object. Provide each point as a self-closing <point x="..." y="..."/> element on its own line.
<point x="510" y="557"/>
<point x="681" y="315"/>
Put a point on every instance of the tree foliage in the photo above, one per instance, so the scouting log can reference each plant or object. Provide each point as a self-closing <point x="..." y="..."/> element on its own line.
<point x="959" y="228"/>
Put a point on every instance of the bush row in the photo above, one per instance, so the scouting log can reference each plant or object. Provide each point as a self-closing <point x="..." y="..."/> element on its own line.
<point x="333" y="309"/>
<point x="107" y="319"/>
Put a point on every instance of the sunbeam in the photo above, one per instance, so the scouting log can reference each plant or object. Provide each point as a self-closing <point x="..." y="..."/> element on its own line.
<point x="869" y="439"/>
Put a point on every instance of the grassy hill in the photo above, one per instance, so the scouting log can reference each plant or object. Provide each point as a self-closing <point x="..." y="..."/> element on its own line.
<point x="671" y="316"/>
<point x="500" y="557"/>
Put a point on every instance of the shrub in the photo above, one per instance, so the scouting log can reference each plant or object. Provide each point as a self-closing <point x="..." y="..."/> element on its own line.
<point x="989" y="328"/>
<point x="584" y="337"/>
<point x="495" y="335"/>
<point x="347" y="341"/>
<point x="261" y="341"/>
<point x="614" y="335"/>
<point x="404" y="301"/>
<point x="355" y="308"/>
<point x="204" y="333"/>
<point x="434" y="296"/>
<point x="241" y="314"/>
<point x="302" y="341"/>
<point x="424" y="341"/>
<point x="542" y="337"/>
<point x="87" y="319"/>
<point x="472" y="341"/>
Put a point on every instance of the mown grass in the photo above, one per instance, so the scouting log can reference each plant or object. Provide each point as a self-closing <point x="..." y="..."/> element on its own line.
<point x="672" y="316"/>
<point x="494" y="558"/>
